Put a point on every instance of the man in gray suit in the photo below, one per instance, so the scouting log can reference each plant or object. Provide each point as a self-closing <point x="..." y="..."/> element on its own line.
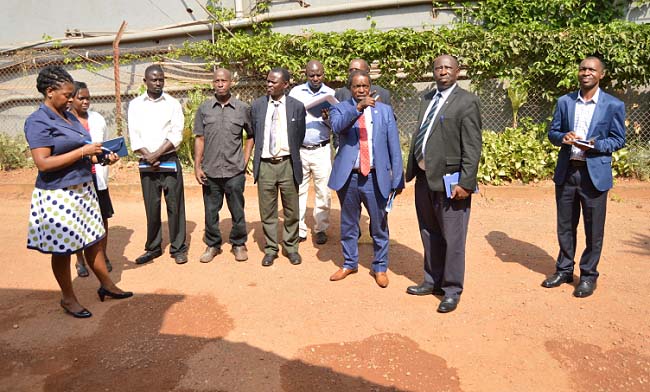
<point x="278" y="124"/>
<point x="448" y="140"/>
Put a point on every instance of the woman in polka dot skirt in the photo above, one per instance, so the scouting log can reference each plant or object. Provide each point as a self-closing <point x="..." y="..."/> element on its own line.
<point x="65" y="215"/>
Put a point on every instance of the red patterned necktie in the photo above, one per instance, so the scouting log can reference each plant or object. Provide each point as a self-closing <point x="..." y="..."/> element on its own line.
<point x="364" y="154"/>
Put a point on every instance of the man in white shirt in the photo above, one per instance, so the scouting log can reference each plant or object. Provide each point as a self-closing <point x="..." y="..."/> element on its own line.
<point x="315" y="152"/>
<point x="156" y="130"/>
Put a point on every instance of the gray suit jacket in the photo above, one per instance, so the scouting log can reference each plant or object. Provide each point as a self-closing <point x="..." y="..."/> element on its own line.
<point x="454" y="143"/>
<point x="295" y="130"/>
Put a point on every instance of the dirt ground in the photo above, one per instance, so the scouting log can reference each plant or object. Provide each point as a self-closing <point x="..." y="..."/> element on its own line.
<point x="230" y="326"/>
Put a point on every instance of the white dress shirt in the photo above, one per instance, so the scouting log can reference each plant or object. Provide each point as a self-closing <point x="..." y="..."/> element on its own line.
<point x="444" y="94"/>
<point x="367" y="112"/>
<point x="282" y="138"/>
<point x="583" y="114"/>
<point x="152" y="121"/>
<point x="98" y="133"/>
<point x="317" y="130"/>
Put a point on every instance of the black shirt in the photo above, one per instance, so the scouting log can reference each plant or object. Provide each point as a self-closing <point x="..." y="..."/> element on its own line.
<point x="222" y="128"/>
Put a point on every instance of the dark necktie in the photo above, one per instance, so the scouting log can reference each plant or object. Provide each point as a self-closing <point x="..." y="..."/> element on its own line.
<point x="274" y="148"/>
<point x="364" y="153"/>
<point x="419" y="138"/>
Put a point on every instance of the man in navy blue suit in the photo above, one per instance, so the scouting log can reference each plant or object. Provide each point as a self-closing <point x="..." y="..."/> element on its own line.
<point x="367" y="168"/>
<point x="589" y="125"/>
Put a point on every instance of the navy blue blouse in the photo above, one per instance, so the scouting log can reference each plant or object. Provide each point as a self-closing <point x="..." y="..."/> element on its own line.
<point x="44" y="128"/>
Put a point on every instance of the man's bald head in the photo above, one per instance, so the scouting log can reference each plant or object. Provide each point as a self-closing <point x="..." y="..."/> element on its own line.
<point x="224" y="73"/>
<point x="315" y="73"/>
<point x="452" y="59"/>
<point x="359" y="64"/>
<point x="221" y="82"/>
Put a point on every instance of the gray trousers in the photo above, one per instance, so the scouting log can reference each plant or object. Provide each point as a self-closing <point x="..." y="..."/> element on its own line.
<point x="274" y="177"/>
<point x="443" y="227"/>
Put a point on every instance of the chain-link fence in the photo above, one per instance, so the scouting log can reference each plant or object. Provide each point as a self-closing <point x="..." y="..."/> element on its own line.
<point x="18" y="95"/>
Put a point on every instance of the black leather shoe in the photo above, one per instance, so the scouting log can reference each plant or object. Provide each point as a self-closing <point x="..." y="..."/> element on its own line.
<point x="83" y="313"/>
<point x="321" y="238"/>
<point x="109" y="266"/>
<point x="557" y="279"/>
<point x="424" y="289"/>
<point x="294" y="257"/>
<point x="267" y="261"/>
<point x="180" y="258"/>
<point x="302" y="239"/>
<point x="148" y="256"/>
<point x="102" y="293"/>
<point x="448" y="304"/>
<point x="584" y="289"/>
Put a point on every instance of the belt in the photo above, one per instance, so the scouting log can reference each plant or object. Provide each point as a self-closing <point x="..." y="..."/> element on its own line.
<point x="577" y="163"/>
<point x="275" y="160"/>
<point x="315" y="146"/>
<point x="358" y="171"/>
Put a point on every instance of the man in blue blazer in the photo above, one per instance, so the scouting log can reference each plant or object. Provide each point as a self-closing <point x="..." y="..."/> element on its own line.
<point x="367" y="168"/>
<point x="589" y="125"/>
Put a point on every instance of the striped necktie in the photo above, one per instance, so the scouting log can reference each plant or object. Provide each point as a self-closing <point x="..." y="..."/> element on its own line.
<point x="274" y="147"/>
<point x="419" y="138"/>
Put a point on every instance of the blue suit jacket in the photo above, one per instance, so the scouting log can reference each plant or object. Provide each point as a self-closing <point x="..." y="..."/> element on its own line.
<point x="387" y="154"/>
<point x="607" y="126"/>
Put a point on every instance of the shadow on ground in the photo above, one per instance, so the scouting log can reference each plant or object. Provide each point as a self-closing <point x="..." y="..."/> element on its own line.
<point x="512" y="250"/>
<point x="167" y="341"/>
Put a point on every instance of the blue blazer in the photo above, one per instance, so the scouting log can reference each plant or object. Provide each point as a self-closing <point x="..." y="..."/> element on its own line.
<point x="607" y="126"/>
<point x="387" y="154"/>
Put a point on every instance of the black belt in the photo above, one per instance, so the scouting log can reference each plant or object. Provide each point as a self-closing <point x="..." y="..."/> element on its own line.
<point x="275" y="160"/>
<point x="577" y="163"/>
<point x="315" y="146"/>
<point x="358" y="171"/>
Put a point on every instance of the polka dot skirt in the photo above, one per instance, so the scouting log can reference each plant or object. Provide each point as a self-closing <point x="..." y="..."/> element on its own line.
<point x="63" y="221"/>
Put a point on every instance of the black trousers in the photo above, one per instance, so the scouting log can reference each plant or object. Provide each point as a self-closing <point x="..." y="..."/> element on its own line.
<point x="213" y="193"/>
<point x="578" y="192"/>
<point x="443" y="227"/>
<point x="154" y="185"/>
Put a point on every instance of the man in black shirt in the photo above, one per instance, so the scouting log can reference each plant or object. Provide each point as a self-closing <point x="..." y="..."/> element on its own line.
<point x="220" y="164"/>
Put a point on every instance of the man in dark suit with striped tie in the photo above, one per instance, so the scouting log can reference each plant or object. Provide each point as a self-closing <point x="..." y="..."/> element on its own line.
<point x="447" y="140"/>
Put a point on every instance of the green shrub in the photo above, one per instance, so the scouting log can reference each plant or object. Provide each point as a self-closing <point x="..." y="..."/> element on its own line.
<point x="186" y="150"/>
<point x="639" y="161"/>
<point x="522" y="153"/>
<point x="621" y="165"/>
<point x="14" y="152"/>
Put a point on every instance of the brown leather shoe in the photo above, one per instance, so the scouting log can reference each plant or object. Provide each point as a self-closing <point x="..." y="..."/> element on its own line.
<point x="382" y="279"/>
<point x="342" y="273"/>
<point x="240" y="252"/>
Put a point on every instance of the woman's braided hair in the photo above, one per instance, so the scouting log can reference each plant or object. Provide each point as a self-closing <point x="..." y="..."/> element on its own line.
<point x="52" y="76"/>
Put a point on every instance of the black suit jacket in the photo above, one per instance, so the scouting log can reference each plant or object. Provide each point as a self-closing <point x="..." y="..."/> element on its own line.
<point x="454" y="143"/>
<point x="295" y="130"/>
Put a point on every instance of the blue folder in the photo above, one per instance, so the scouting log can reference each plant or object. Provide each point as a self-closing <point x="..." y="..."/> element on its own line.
<point x="117" y="145"/>
<point x="450" y="181"/>
<point x="165" y="166"/>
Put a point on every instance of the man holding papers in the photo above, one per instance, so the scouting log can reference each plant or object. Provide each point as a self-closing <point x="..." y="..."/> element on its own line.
<point x="589" y="125"/>
<point x="156" y="130"/>
<point x="447" y="141"/>
<point x="367" y="170"/>
<point x="315" y="152"/>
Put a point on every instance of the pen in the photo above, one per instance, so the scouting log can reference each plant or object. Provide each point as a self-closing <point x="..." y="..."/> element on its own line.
<point x="108" y="150"/>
